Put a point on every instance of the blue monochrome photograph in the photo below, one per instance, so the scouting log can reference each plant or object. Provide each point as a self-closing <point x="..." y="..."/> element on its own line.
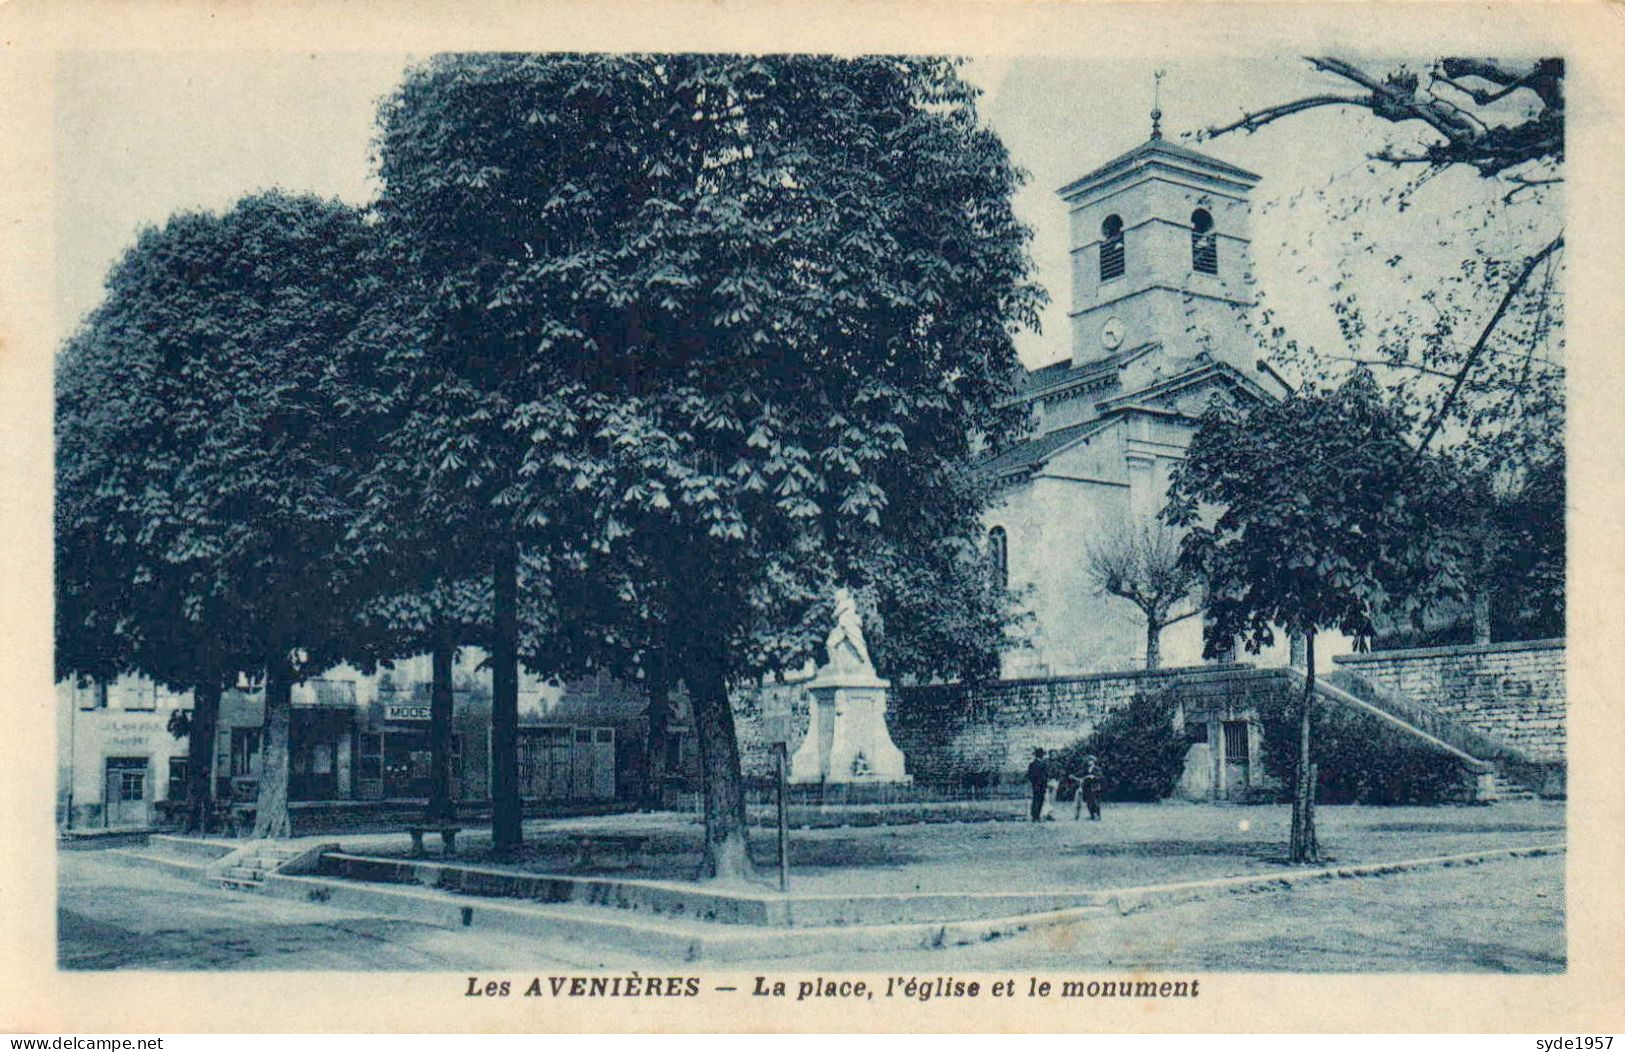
<point x="665" y="514"/>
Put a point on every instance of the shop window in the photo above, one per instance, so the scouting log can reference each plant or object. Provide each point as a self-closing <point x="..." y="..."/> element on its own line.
<point x="127" y="777"/>
<point x="245" y="752"/>
<point x="177" y="777"/>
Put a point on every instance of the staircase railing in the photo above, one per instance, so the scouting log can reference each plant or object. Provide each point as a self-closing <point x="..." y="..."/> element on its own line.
<point x="1480" y="752"/>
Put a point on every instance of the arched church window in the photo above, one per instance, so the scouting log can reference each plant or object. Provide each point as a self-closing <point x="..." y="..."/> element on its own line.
<point x="1204" y="243"/>
<point x="1111" y="248"/>
<point x="998" y="553"/>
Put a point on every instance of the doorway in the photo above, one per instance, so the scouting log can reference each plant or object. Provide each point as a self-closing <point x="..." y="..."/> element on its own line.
<point x="1237" y="758"/>
<point x="127" y="799"/>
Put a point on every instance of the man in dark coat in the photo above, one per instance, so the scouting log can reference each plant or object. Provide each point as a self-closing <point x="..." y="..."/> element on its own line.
<point x="1038" y="778"/>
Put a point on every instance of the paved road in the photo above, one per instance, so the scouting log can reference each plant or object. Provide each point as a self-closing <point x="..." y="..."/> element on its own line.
<point x="1501" y="916"/>
<point x="114" y="915"/>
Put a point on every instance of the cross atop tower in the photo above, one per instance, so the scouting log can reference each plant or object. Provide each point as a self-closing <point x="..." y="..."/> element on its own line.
<point x="1156" y="104"/>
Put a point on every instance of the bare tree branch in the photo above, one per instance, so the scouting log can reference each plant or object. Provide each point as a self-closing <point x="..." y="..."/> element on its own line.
<point x="1141" y="564"/>
<point x="1483" y="339"/>
<point x="1521" y="184"/>
<point x="1481" y="140"/>
<point x="1251" y="122"/>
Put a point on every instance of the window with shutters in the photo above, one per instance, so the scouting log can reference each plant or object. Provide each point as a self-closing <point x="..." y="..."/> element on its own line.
<point x="1204" y="243"/>
<point x="1111" y="248"/>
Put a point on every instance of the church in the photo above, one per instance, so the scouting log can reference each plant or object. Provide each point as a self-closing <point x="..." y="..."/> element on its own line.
<point x="1161" y="291"/>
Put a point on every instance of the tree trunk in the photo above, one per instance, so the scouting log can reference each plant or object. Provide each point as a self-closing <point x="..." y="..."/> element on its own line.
<point x="1481" y="614"/>
<point x="1303" y="847"/>
<point x="440" y="804"/>
<point x="727" y="846"/>
<point x="659" y="720"/>
<point x="200" y="755"/>
<point x="271" y="810"/>
<point x="507" y="832"/>
<point x="1153" y="644"/>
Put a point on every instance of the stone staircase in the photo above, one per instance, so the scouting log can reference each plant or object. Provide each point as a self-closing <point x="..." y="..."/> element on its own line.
<point x="247" y="869"/>
<point x="1503" y="788"/>
<point x="1502" y="771"/>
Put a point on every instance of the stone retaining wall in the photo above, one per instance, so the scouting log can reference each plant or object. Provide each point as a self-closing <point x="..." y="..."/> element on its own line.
<point x="977" y="736"/>
<point x="1510" y="691"/>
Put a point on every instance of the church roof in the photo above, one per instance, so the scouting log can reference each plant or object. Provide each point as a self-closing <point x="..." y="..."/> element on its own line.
<point x="1033" y="452"/>
<point x="1029" y="454"/>
<point x="1062" y="375"/>
<point x="1159" y="149"/>
<point x="1169" y="385"/>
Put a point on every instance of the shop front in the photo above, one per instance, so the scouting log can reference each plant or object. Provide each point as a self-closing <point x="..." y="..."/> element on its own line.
<point x="321" y="755"/>
<point x="566" y="762"/>
<point x="395" y="756"/>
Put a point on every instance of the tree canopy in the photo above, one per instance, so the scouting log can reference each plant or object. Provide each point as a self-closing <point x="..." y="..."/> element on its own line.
<point x="1303" y="515"/>
<point x="1447" y="284"/>
<point x="206" y="457"/>
<point x="742" y="312"/>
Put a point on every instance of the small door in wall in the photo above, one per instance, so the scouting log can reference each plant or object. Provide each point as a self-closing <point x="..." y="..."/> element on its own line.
<point x="128" y="791"/>
<point x="1237" y="757"/>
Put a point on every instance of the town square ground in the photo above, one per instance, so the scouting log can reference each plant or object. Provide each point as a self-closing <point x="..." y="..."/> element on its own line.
<point x="1442" y="889"/>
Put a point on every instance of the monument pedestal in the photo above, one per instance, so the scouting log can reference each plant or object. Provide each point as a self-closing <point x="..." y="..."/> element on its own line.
<point x="847" y="739"/>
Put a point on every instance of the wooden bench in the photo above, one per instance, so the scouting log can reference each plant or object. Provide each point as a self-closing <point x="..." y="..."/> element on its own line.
<point x="629" y="846"/>
<point x="448" y="836"/>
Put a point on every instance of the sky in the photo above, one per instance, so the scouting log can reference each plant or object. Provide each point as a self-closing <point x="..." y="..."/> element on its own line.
<point x="141" y="136"/>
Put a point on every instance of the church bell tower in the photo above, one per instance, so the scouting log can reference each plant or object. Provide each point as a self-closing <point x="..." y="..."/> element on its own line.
<point x="1160" y="248"/>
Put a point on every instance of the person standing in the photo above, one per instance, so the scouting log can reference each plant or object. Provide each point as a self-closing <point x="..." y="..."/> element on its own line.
<point x="1038" y="779"/>
<point x="1090" y="786"/>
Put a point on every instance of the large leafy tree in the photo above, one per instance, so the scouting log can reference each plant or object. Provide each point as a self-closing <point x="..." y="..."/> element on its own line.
<point x="1447" y="282"/>
<point x="743" y="312"/>
<point x="486" y="193"/>
<point x="1305" y="515"/>
<point x="208" y="459"/>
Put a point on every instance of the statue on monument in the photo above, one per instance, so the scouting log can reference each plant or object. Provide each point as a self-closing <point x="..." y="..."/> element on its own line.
<point x="845" y="648"/>
<point x="847" y="740"/>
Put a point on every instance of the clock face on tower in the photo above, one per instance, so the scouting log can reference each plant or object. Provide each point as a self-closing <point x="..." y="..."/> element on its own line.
<point x="1111" y="334"/>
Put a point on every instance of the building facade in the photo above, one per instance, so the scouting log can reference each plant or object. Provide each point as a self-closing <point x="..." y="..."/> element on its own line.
<point x="356" y="737"/>
<point x="117" y="762"/>
<point x="1161" y="277"/>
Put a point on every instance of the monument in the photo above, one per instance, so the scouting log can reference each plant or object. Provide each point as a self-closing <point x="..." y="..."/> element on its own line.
<point x="847" y="741"/>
